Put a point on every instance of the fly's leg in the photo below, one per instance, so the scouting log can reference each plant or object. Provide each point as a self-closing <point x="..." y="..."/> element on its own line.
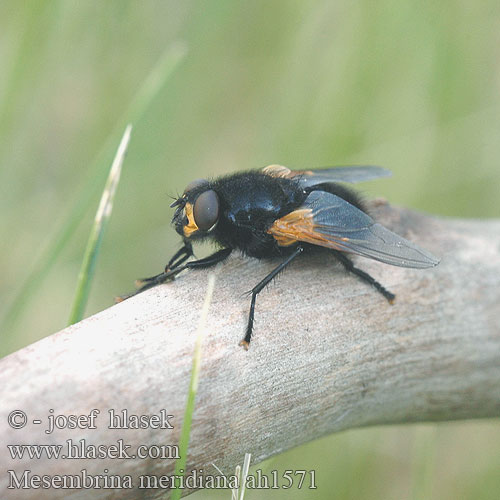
<point x="179" y="258"/>
<point x="349" y="266"/>
<point x="204" y="263"/>
<point x="259" y="287"/>
<point x="170" y="273"/>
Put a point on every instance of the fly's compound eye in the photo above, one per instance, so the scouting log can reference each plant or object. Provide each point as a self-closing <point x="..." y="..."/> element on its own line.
<point x="206" y="210"/>
<point x="194" y="184"/>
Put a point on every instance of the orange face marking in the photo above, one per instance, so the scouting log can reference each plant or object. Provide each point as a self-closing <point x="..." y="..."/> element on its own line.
<point x="299" y="226"/>
<point x="191" y="226"/>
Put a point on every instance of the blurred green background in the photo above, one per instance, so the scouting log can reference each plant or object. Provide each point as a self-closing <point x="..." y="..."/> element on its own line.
<point x="413" y="86"/>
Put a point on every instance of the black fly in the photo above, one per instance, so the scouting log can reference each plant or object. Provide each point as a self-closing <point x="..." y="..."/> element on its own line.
<point x="277" y="212"/>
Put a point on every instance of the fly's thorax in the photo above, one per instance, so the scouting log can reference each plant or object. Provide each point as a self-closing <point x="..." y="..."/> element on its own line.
<point x="249" y="203"/>
<point x="249" y="198"/>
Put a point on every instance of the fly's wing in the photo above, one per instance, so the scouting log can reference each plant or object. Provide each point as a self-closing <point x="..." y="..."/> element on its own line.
<point x="334" y="174"/>
<point x="329" y="221"/>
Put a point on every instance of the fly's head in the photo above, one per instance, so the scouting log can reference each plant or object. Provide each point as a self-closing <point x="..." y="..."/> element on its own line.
<point x="196" y="211"/>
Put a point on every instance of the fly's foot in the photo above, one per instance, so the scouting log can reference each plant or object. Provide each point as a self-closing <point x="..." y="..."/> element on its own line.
<point x="245" y="344"/>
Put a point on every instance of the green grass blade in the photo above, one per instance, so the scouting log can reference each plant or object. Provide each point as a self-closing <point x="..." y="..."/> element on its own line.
<point x="424" y="458"/>
<point x="96" y="233"/>
<point x="152" y="85"/>
<point x="180" y="464"/>
<point x="234" y="491"/>
<point x="244" y="475"/>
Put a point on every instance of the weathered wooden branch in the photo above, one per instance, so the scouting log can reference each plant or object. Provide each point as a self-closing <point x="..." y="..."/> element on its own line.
<point x="329" y="353"/>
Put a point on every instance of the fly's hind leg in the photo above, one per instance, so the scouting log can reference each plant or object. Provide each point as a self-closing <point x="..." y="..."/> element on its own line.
<point x="349" y="266"/>
<point x="258" y="288"/>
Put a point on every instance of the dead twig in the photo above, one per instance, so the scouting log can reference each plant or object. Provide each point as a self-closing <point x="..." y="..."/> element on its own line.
<point x="328" y="354"/>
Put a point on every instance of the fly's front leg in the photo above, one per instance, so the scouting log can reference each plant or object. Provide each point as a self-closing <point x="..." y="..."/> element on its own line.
<point x="175" y="266"/>
<point x="209" y="261"/>
<point x="169" y="274"/>
<point x="259" y="287"/>
<point x="179" y="258"/>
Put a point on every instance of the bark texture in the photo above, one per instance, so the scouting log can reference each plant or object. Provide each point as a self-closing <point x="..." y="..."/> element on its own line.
<point x="329" y="353"/>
